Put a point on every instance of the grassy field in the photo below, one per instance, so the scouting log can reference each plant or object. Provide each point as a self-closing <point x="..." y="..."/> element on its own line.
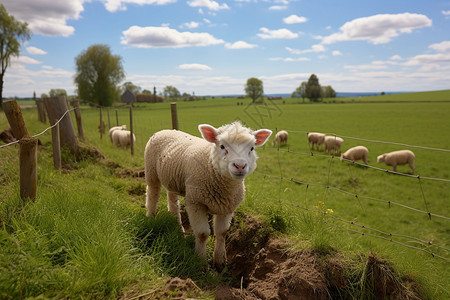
<point x="87" y="234"/>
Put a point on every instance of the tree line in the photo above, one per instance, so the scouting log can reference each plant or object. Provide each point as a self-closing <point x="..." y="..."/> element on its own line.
<point x="99" y="72"/>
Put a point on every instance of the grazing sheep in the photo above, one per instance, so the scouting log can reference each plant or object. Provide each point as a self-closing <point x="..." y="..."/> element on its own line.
<point x="333" y="144"/>
<point x="121" y="138"/>
<point x="280" y="138"/>
<point x="208" y="172"/>
<point x="356" y="153"/>
<point x="401" y="157"/>
<point x="315" y="138"/>
<point x="112" y="129"/>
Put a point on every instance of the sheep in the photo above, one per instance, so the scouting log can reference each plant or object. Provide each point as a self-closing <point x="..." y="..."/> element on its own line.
<point x="356" y="153"/>
<point x="280" y="138"/>
<point x="315" y="138"/>
<point x="121" y="138"/>
<point x="395" y="158"/>
<point x="333" y="144"/>
<point x="112" y="129"/>
<point x="209" y="173"/>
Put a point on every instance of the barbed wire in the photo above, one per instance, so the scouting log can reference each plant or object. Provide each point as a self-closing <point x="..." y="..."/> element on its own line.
<point x="357" y="163"/>
<point x="422" y="242"/>
<point x="429" y="214"/>
<point x="375" y="141"/>
<point x="39" y="134"/>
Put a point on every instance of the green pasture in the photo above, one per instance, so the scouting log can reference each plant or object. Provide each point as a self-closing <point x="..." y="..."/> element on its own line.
<point x="87" y="218"/>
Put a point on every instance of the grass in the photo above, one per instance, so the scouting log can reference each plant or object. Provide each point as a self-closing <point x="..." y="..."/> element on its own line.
<point x="86" y="233"/>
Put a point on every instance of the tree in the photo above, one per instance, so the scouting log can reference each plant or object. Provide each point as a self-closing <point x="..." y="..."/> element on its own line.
<point x="254" y="88"/>
<point x="171" y="92"/>
<point x="300" y="91"/>
<point x="12" y="32"/>
<point x="98" y="75"/>
<point x="57" y="92"/>
<point x="131" y="87"/>
<point x="313" y="89"/>
<point x="328" y="92"/>
<point x="146" y="92"/>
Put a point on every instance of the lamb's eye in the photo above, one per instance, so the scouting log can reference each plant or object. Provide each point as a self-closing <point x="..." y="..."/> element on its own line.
<point x="222" y="147"/>
<point x="252" y="149"/>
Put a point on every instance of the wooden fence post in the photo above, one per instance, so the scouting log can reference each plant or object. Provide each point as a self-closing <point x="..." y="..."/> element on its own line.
<point x="27" y="149"/>
<point x="131" y="130"/>
<point x="117" y="118"/>
<point x="41" y="111"/>
<point x="173" y="109"/>
<point x="100" y="127"/>
<point x="109" y="120"/>
<point x="56" y="147"/>
<point x="56" y="107"/>
<point x="76" y="105"/>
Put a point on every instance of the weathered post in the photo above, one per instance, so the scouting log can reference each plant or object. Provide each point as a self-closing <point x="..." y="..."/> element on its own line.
<point x="76" y="105"/>
<point x="100" y="127"/>
<point x="173" y="109"/>
<point x="27" y="149"/>
<point x="41" y="111"/>
<point x="56" y="108"/>
<point x="56" y="147"/>
<point x="131" y="130"/>
<point x="117" y="118"/>
<point x="109" y="120"/>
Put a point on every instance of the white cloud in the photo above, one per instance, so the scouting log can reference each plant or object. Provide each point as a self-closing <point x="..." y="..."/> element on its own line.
<point x="35" y="51"/>
<point x="47" y="17"/>
<point x="336" y="53"/>
<point x="24" y="60"/>
<point x="441" y="47"/>
<point x="191" y="25"/>
<point x="378" y="29"/>
<point x="294" y="19"/>
<point x="314" y="48"/>
<point x="396" y="57"/>
<point x="240" y="45"/>
<point x="446" y="13"/>
<point x="164" y="37"/>
<point x="115" y="5"/>
<point x="277" y="34"/>
<point x="195" y="67"/>
<point x="289" y="59"/>
<point x="366" y="67"/>
<point x="278" y="7"/>
<point x="211" y="5"/>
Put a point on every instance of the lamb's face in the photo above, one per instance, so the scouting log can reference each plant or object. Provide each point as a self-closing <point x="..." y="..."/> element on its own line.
<point x="380" y="158"/>
<point x="233" y="154"/>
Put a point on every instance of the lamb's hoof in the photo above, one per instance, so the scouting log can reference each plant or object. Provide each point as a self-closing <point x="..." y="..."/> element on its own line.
<point x="219" y="266"/>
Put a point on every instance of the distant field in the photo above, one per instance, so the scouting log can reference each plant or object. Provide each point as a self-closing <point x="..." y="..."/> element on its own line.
<point x="420" y="119"/>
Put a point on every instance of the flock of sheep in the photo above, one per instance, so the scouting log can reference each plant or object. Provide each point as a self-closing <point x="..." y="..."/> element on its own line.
<point x="209" y="172"/>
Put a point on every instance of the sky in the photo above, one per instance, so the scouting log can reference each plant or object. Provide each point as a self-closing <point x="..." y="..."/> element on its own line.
<point x="211" y="47"/>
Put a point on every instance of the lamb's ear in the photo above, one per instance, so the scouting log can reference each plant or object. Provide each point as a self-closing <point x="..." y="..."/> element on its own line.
<point x="262" y="136"/>
<point x="208" y="132"/>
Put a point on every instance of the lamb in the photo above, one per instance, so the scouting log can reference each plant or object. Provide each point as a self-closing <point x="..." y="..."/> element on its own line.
<point x="395" y="158"/>
<point x="280" y="138"/>
<point x="121" y="138"/>
<point x="315" y="138"/>
<point x="333" y="144"/>
<point x="112" y="129"/>
<point x="209" y="173"/>
<point x="356" y="153"/>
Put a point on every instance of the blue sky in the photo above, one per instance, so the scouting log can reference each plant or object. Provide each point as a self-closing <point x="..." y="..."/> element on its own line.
<point x="211" y="47"/>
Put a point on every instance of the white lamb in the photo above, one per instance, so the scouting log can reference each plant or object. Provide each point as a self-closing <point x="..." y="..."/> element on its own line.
<point x="280" y="138"/>
<point x="356" y="153"/>
<point x="333" y="144"/>
<point x="121" y="138"/>
<point x="208" y="172"/>
<point x="401" y="157"/>
<point x="315" y="138"/>
<point x="112" y="129"/>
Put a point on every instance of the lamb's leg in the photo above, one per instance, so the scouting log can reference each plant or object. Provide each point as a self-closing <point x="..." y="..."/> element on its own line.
<point x="394" y="167"/>
<point x="173" y="206"/>
<point x="221" y="225"/>
<point x="198" y="218"/>
<point x="153" y="191"/>
<point x="411" y="164"/>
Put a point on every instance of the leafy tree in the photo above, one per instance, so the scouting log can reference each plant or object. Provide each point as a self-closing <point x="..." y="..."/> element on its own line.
<point x="171" y="92"/>
<point x="57" y="92"/>
<point x="147" y="92"/>
<point x="131" y="87"/>
<point x="313" y="89"/>
<point x="300" y="91"/>
<point x="328" y="92"/>
<point x="254" y="88"/>
<point x="98" y="75"/>
<point x="12" y="32"/>
<point x="44" y="95"/>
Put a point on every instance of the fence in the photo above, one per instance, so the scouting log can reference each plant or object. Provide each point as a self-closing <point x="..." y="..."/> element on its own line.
<point x="367" y="231"/>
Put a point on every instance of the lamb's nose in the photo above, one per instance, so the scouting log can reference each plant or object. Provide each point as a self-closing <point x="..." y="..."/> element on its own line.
<point x="240" y="167"/>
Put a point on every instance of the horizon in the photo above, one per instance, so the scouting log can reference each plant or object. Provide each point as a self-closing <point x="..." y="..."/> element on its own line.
<point x="211" y="47"/>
